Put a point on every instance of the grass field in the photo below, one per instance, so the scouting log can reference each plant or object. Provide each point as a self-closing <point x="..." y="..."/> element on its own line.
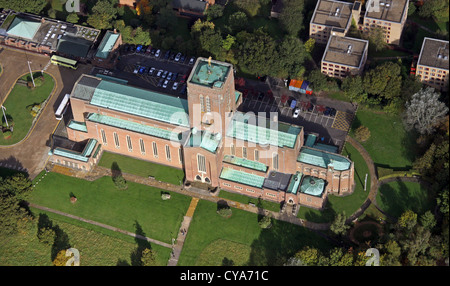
<point x="96" y="248"/>
<point x="396" y="197"/>
<point x="349" y="204"/>
<point x="16" y="105"/>
<point x="137" y="209"/>
<point x="142" y="168"/>
<point x="389" y="145"/>
<point x="238" y="240"/>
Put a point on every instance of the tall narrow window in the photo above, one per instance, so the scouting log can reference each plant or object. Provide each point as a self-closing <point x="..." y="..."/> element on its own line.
<point x="142" y="146"/>
<point x="168" y="153"/>
<point x="233" y="150"/>
<point x="180" y="155"/>
<point x="202" y="104"/>
<point x="208" y="104"/>
<point x="102" y="132"/>
<point x="201" y="163"/>
<point x="244" y="152"/>
<point x="130" y="146"/>
<point x="256" y="155"/>
<point x="155" y="150"/>
<point x="116" y="140"/>
<point x="275" y="161"/>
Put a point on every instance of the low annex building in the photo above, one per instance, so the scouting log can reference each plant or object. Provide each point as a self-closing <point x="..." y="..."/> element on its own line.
<point x="204" y="135"/>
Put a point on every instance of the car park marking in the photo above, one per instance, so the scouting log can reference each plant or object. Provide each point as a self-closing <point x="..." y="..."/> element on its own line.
<point x="342" y="121"/>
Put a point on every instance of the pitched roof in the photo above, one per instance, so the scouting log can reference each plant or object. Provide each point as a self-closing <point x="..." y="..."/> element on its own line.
<point x="74" y="46"/>
<point x="242" y="177"/>
<point x="23" y="28"/>
<point x="323" y="159"/>
<point x="312" y="186"/>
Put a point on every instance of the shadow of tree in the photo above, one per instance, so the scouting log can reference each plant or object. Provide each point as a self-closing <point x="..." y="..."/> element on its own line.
<point x="61" y="241"/>
<point x="142" y="244"/>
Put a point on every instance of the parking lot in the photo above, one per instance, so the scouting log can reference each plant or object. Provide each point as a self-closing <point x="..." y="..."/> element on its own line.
<point x="329" y="118"/>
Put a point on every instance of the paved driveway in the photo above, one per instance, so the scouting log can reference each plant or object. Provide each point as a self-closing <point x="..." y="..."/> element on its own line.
<point x="31" y="153"/>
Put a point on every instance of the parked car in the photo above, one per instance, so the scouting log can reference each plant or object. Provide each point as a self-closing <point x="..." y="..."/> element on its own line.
<point x="174" y="76"/>
<point x="183" y="79"/>
<point x="153" y="52"/>
<point x="296" y="113"/>
<point x="175" y="86"/>
<point x="191" y="61"/>
<point x="177" y="57"/>
<point x="141" y="70"/>
<point x="157" y="53"/>
<point x="172" y="56"/>
<point x="311" y="107"/>
<point x="160" y="72"/>
<point x="165" y="83"/>
<point x="151" y="71"/>
<point x="164" y="75"/>
<point x="148" y="50"/>
<point x="136" y="69"/>
<point x="160" y="82"/>
<point x="327" y="111"/>
<point x="169" y="76"/>
<point x="138" y="48"/>
<point x="260" y="95"/>
<point x="167" y="55"/>
<point x="183" y="90"/>
<point x="182" y="59"/>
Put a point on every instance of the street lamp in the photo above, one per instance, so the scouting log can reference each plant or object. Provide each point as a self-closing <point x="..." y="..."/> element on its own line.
<point x="4" y="115"/>
<point x="32" y="79"/>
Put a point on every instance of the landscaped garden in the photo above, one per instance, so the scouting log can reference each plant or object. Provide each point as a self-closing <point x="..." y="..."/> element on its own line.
<point x="142" y="168"/>
<point x="239" y="240"/>
<point x="348" y="204"/>
<point x="22" y="106"/>
<point x="397" y="197"/>
<point x="139" y="209"/>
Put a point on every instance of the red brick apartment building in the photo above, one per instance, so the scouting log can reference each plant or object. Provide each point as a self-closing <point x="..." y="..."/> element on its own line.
<point x="204" y="135"/>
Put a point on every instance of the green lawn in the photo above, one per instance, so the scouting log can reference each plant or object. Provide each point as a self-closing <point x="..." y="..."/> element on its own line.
<point x="96" y="248"/>
<point x="349" y="204"/>
<point x="389" y="144"/>
<point x="396" y="197"/>
<point x="16" y="105"/>
<point x="137" y="209"/>
<point x="239" y="240"/>
<point x="142" y="168"/>
<point x="271" y="206"/>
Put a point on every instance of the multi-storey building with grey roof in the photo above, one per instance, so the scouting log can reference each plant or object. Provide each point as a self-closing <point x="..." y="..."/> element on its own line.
<point x="432" y="64"/>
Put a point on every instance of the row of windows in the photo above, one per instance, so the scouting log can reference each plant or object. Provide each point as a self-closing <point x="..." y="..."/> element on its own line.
<point x="432" y="70"/>
<point x="205" y="107"/>
<point x="141" y="146"/>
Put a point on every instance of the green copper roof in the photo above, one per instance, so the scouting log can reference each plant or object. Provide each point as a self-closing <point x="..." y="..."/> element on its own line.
<point x="237" y="95"/>
<point x="213" y="75"/>
<point x="141" y="102"/>
<point x="89" y="148"/>
<point x="245" y="163"/>
<point x="295" y="182"/>
<point x="323" y="159"/>
<point x="312" y="186"/>
<point x="310" y="140"/>
<point x="205" y="140"/>
<point x="70" y="154"/>
<point x="75" y="125"/>
<point x="134" y="126"/>
<point x="23" y="28"/>
<point x="108" y="42"/>
<point x="242" y="177"/>
<point x="273" y="133"/>
<point x="325" y="147"/>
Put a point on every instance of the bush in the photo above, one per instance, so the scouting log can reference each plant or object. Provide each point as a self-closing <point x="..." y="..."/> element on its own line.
<point x="362" y="133"/>
<point x="120" y="183"/>
<point x="165" y="196"/>
<point x="224" y="212"/>
<point x="61" y="259"/>
<point x="7" y="134"/>
<point x="265" y="222"/>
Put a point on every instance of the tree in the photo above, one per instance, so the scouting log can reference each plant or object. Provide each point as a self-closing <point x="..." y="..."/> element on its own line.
<point x="228" y="42"/>
<point x="309" y="45"/>
<point x="289" y="59"/>
<point x="320" y="82"/>
<point x="72" y="18"/>
<point x="377" y="39"/>
<point x="61" y="258"/>
<point x="435" y="8"/>
<point x="214" y="12"/>
<point x="428" y="221"/>
<point x="411" y="8"/>
<point x="384" y="81"/>
<point x="291" y="17"/>
<point x="148" y="257"/>
<point x="353" y="89"/>
<point x="46" y="235"/>
<point x="338" y="226"/>
<point x="238" y="21"/>
<point x="308" y="256"/>
<point x="31" y="6"/>
<point x="265" y="222"/>
<point x="166" y="18"/>
<point x="424" y="111"/>
<point x="362" y="133"/>
<point x="392" y="253"/>
<point x="339" y="257"/>
<point x="103" y="14"/>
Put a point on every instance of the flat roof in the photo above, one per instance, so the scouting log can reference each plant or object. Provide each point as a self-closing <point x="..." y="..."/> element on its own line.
<point x="345" y="50"/>
<point x="210" y="73"/>
<point x="388" y="10"/>
<point x="106" y="45"/>
<point x="332" y="13"/>
<point x="434" y="53"/>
